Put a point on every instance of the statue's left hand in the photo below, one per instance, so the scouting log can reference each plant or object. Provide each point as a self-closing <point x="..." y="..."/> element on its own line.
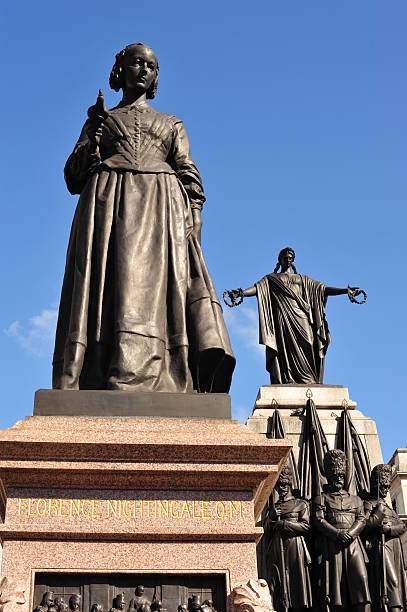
<point x="197" y="219"/>
<point x="353" y="292"/>
<point x="278" y="525"/>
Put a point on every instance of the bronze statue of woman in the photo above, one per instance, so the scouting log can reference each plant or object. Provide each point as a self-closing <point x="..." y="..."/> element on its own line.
<point x="292" y="321"/>
<point x="138" y="309"/>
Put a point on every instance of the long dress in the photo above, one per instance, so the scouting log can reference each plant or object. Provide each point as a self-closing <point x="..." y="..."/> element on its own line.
<point x="290" y="542"/>
<point x="138" y="308"/>
<point x="293" y="327"/>
<point x="394" y="563"/>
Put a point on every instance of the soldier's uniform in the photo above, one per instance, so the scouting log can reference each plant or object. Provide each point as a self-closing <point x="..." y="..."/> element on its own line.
<point x="295" y="515"/>
<point x="343" y="572"/>
<point x="394" y="560"/>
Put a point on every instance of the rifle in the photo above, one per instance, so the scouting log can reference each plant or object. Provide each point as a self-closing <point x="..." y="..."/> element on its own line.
<point x="283" y="577"/>
<point x="327" y="599"/>
<point x="282" y="568"/>
<point x="384" y="598"/>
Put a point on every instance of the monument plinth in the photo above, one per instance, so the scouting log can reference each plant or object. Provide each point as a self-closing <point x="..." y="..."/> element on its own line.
<point x="104" y="500"/>
<point x="330" y="401"/>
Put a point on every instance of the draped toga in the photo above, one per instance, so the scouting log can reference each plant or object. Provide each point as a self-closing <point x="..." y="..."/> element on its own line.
<point x="293" y="327"/>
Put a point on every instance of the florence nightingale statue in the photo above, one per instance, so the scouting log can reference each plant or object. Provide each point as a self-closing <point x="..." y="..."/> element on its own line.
<point x="138" y="308"/>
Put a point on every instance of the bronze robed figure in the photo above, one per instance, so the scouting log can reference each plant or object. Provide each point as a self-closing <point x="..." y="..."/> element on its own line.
<point x="139" y="603"/>
<point x="119" y="603"/>
<point x="288" y="559"/>
<point x="340" y="519"/>
<point x="387" y="572"/>
<point x="292" y="322"/>
<point x="138" y="308"/>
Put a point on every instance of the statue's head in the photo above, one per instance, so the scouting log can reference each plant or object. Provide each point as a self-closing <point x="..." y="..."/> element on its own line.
<point x="96" y="607"/>
<point x="47" y="598"/>
<point x="335" y="468"/>
<point x="194" y="603"/>
<point x="74" y="602"/>
<point x="380" y="480"/>
<point x="284" y="482"/>
<point x="120" y="601"/>
<point x="285" y="259"/>
<point x="59" y="602"/>
<point x="136" y="66"/>
<point x="139" y="590"/>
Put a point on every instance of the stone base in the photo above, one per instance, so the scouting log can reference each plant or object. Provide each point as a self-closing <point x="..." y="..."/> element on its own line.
<point x="326" y="397"/>
<point x="114" y="495"/>
<point x="329" y="401"/>
<point x="131" y="404"/>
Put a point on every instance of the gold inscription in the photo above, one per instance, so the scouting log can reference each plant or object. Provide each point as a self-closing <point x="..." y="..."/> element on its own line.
<point x="130" y="509"/>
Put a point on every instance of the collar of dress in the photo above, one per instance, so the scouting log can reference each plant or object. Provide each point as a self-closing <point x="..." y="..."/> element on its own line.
<point x="141" y="106"/>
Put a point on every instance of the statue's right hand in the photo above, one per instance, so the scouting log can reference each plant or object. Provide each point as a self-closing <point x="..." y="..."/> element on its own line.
<point x="344" y="538"/>
<point x="235" y="296"/>
<point x="97" y="113"/>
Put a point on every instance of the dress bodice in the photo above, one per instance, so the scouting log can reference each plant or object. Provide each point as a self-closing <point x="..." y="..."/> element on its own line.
<point x="137" y="138"/>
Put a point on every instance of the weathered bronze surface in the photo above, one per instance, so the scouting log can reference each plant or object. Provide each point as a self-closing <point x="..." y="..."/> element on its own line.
<point x="113" y="593"/>
<point x="340" y="519"/>
<point x="75" y="603"/>
<point x="387" y="573"/>
<point x="138" y="308"/>
<point x="348" y="555"/>
<point x="312" y="451"/>
<point x="357" y="478"/>
<point x="139" y="603"/>
<point x="292" y="321"/>
<point x="119" y="603"/>
<point x="288" y="559"/>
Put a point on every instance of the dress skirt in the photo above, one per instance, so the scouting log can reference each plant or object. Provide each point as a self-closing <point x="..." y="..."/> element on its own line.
<point x="138" y="308"/>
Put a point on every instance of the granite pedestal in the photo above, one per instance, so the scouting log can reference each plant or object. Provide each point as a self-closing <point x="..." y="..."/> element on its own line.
<point x="121" y="499"/>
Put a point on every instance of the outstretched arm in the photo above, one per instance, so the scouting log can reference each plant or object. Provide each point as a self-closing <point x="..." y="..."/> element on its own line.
<point x="236" y="296"/>
<point x="250" y="292"/>
<point x="354" y="291"/>
<point x="335" y="291"/>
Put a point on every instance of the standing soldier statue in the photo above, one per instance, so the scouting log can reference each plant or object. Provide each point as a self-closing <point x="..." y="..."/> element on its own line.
<point x="340" y="519"/>
<point x="387" y="574"/>
<point x="288" y="560"/>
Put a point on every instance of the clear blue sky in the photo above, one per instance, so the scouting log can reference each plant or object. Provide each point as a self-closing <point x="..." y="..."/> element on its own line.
<point x="297" y="117"/>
